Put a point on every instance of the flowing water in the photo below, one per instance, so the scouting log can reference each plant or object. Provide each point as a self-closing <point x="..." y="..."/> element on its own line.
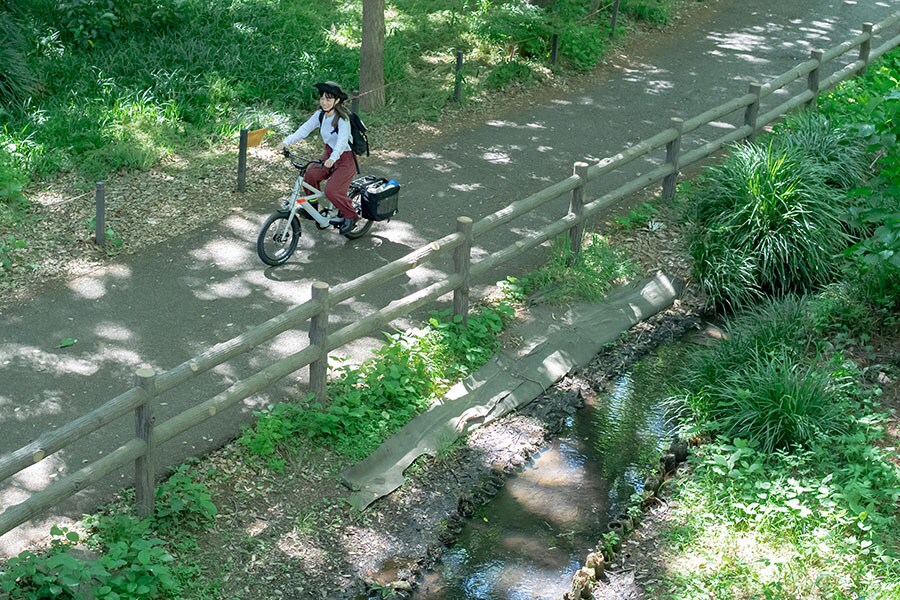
<point x="532" y="537"/>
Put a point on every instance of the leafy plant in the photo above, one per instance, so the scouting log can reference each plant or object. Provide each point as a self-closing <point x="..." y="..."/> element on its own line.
<point x="13" y="204"/>
<point x="181" y="503"/>
<point x="636" y="217"/>
<point x="8" y="249"/>
<point x="89" y="21"/>
<point x="135" y="568"/>
<point x="583" y="44"/>
<point x="370" y="401"/>
<point x="610" y="541"/>
<point x="112" y="239"/>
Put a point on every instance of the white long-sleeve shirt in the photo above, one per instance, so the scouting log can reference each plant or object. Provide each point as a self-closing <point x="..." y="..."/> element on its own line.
<point x="338" y="141"/>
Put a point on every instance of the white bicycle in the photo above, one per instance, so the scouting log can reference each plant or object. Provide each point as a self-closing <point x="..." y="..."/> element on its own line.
<point x="281" y="231"/>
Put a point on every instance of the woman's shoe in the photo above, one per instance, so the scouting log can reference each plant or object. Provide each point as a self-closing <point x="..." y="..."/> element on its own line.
<point x="347" y="226"/>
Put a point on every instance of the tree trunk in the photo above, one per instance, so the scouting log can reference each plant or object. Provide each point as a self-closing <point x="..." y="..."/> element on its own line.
<point x="371" y="59"/>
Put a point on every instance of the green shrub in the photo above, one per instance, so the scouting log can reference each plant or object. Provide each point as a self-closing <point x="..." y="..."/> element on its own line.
<point x="137" y="569"/>
<point x="89" y="21"/>
<point x="519" y="26"/>
<point x="512" y="71"/>
<point x="583" y="44"/>
<point x="182" y="504"/>
<point x="763" y="223"/>
<point x="653" y="11"/>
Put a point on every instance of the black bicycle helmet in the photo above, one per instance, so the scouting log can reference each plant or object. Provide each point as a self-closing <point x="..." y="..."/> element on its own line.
<point x="332" y="89"/>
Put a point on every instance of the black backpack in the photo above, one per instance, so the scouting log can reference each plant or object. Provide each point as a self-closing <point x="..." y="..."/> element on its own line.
<point x="358" y="129"/>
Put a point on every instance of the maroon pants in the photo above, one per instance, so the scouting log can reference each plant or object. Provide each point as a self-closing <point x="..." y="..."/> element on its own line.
<point x="339" y="177"/>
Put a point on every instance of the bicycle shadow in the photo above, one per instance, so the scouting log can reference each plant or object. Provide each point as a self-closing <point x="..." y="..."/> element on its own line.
<point x="375" y="247"/>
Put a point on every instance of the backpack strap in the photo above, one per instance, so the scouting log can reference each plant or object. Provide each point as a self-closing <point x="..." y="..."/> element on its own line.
<point x="322" y="118"/>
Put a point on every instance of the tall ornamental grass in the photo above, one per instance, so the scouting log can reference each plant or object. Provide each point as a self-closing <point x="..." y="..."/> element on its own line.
<point x="764" y="223"/>
<point x="838" y="150"/>
<point x="764" y="382"/>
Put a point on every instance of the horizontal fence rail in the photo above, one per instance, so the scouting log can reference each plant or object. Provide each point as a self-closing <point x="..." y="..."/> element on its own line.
<point x="140" y="399"/>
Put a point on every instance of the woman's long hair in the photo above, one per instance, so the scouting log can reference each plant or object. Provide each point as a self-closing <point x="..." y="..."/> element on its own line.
<point x="340" y="112"/>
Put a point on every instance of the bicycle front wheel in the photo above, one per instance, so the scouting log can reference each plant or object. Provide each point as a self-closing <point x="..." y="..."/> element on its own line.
<point x="277" y="239"/>
<point x="362" y="226"/>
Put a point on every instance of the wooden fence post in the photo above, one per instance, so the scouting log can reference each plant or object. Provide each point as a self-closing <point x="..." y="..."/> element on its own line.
<point x="145" y="466"/>
<point x="461" y="259"/>
<point x="242" y="161"/>
<point x="100" y="218"/>
<point x="673" y="151"/>
<point x="318" y="336"/>
<point x="751" y="113"/>
<point x="576" y="207"/>
<point x="554" y="48"/>
<point x="812" y="79"/>
<point x="865" y="48"/>
<point x="457" y="85"/>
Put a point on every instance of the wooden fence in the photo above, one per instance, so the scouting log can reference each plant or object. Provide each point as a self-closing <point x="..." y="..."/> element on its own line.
<point x="139" y="400"/>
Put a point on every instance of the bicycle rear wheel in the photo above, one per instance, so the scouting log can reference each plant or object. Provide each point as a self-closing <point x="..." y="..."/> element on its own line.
<point x="362" y="226"/>
<point x="277" y="240"/>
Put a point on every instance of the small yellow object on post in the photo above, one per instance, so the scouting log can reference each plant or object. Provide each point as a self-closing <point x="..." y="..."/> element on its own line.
<point x="248" y="139"/>
<point x="255" y="137"/>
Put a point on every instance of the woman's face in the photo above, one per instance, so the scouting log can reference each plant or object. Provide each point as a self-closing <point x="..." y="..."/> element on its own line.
<point x="327" y="102"/>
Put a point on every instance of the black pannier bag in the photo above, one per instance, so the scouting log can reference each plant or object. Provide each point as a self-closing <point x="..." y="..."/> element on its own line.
<point x="379" y="197"/>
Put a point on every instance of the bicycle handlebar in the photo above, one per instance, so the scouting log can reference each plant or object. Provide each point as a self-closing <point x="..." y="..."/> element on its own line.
<point x="298" y="161"/>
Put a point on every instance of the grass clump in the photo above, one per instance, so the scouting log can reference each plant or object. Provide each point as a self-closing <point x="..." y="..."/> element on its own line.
<point x="764" y="223"/>
<point x="763" y="383"/>
<point x="792" y="463"/>
<point x="567" y="276"/>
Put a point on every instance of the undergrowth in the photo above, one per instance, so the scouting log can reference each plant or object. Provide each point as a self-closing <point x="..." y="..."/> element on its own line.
<point x="368" y="402"/>
<point x="120" y="556"/>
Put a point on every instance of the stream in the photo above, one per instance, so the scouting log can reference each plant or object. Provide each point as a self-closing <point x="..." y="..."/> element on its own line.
<point x="532" y="537"/>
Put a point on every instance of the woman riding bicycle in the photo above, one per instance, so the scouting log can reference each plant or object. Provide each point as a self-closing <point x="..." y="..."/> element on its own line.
<point x="339" y="165"/>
